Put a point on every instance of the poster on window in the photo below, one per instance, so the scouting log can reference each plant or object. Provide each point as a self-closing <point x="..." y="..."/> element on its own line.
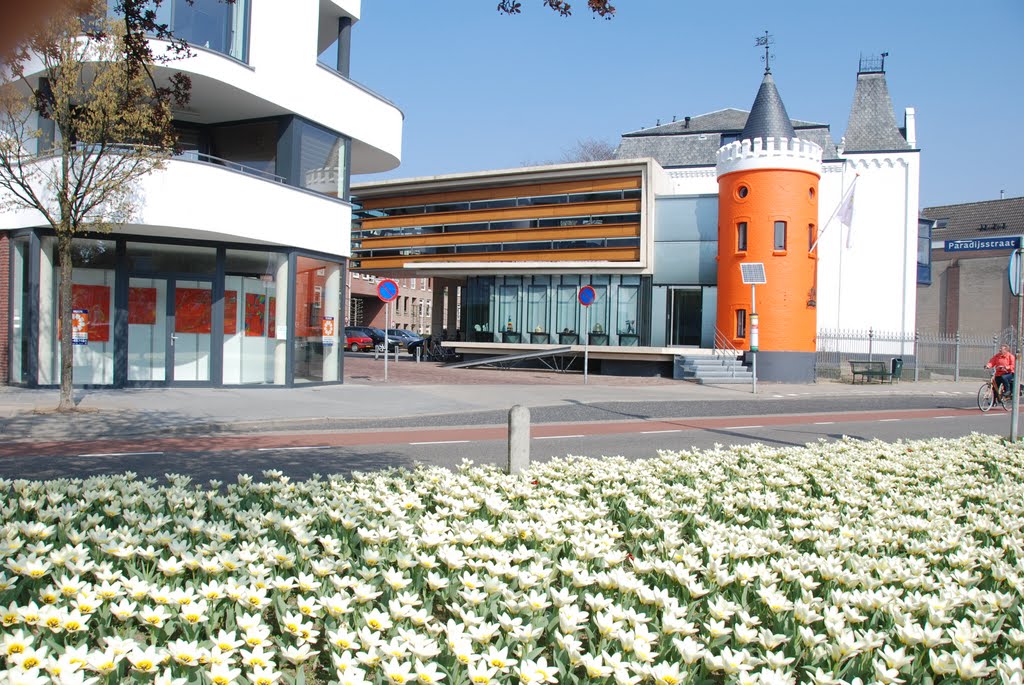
<point x="327" y="331"/>
<point x="79" y="327"/>
<point x="230" y="312"/>
<point x="193" y="310"/>
<point x="272" y="320"/>
<point x="142" y="306"/>
<point x="255" y="315"/>
<point x="95" y="301"/>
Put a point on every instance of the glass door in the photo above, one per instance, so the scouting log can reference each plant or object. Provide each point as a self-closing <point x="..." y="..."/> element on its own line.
<point x="170" y="325"/>
<point x="685" y="316"/>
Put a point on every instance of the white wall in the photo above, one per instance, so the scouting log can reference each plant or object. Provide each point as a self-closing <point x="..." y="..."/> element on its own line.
<point x="873" y="282"/>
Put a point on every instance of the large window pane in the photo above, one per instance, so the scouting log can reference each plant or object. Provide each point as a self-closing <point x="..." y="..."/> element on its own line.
<point x="317" y="320"/>
<point x="157" y="258"/>
<point x="20" y="308"/>
<point x="252" y="343"/>
<point x="566" y="318"/>
<point x="628" y="309"/>
<point x="252" y="145"/>
<point x="537" y="300"/>
<point x="321" y="160"/>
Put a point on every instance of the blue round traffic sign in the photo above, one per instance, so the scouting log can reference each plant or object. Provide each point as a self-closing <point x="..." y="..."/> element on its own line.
<point x="587" y="295"/>
<point x="387" y="290"/>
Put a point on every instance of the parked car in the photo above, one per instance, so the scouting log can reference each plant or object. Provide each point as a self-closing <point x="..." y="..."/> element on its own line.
<point x="356" y="341"/>
<point x="404" y="337"/>
<point x="377" y="335"/>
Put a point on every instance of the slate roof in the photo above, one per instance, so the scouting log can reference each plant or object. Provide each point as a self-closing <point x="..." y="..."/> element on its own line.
<point x="768" y="118"/>
<point x="696" y="143"/>
<point x="872" y="125"/>
<point x="978" y="219"/>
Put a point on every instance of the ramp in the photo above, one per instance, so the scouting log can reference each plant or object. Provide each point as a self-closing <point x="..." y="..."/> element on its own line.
<point x="557" y="359"/>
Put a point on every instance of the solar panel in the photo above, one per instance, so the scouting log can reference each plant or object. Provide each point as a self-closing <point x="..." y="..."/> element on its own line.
<point x="753" y="273"/>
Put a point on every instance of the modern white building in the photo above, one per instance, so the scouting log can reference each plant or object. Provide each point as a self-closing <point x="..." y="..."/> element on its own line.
<point x="231" y="271"/>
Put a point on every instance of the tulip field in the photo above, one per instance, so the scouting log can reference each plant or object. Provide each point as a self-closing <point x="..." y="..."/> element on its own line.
<point x="839" y="562"/>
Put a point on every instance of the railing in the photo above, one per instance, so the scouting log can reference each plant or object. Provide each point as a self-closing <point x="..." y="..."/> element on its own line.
<point x="195" y="156"/>
<point x="724" y="348"/>
<point x="931" y="355"/>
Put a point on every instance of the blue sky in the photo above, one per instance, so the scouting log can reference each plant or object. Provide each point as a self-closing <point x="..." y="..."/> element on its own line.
<point x="486" y="91"/>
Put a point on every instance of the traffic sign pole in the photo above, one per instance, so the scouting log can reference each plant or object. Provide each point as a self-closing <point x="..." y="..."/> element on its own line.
<point x="587" y="295"/>
<point x="387" y="291"/>
<point x="1016" y="276"/>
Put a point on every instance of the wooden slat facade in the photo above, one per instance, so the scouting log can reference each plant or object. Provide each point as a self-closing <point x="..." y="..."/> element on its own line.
<point x="410" y="238"/>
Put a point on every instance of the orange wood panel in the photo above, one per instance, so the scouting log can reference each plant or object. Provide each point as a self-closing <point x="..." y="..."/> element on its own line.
<point x="508" y="213"/>
<point x="504" y="192"/>
<point x="477" y="237"/>
<point x="787" y="323"/>
<point x="610" y="254"/>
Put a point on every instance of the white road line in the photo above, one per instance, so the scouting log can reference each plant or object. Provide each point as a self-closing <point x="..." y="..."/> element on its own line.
<point x="674" y="430"/>
<point x="121" y="454"/>
<point x="282" y="449"/>
<point x="887" y="420"/>
<point x="823" y="423"/>
<point x="733" y="428"/>
<point x="556" y="437"/>
<point x="440" y="442"/>
<point x="943" y="417"/>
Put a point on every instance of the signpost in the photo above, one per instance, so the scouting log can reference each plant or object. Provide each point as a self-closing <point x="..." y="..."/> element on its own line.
<point x="587" y="295"/>
<point x="752" y="274"/>
<point x="1015" y="272"/>
<point x="387" y="291"/>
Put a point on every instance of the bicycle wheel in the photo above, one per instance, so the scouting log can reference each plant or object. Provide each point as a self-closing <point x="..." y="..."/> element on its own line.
<point x="985" y="397"/>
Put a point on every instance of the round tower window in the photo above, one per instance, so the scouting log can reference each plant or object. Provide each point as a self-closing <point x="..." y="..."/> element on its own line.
<point x="742" y="192"/>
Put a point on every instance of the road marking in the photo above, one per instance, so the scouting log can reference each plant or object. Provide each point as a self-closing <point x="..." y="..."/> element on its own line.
<point x="823" y="423"/>
<point x="674" y="430"/>
<point x="943" y="417"/>
<point x="733" y="428"/>
<point x="556" y="437"/>
<point x="886" y="420"/>
<point x="120" y="454"/>
<point x="440" y="442"/>
<point x="282" y="449"/>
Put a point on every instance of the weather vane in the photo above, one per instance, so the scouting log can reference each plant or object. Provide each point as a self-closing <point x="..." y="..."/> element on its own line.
<point x="766" y="42"/>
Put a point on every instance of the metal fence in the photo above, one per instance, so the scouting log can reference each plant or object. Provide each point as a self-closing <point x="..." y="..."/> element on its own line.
<point x="924" y="355"/>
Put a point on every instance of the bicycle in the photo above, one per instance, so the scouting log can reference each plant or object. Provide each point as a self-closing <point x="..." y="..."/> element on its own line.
<point x="989" y="394"/>
<point x="439" y="353"/>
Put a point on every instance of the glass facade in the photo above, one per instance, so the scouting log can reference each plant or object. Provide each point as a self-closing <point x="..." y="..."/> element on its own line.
<point x="518" y="308"/>
<point x="211" y="24"/>
<point x="322" y="159"/>
<point x="154" y="313"/>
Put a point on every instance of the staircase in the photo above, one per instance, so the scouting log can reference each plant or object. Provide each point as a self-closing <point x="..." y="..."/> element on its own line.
<point x="711" y="370"/>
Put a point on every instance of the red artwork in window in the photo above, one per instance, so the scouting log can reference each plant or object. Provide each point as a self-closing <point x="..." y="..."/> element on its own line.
<point x="255" y="315"/>
<point x="142" y="306"/>
<point x="94" y="299"/>
<point x="272" y="317"/>
<point x="193" y="309"/>
<point x="230" y="312"/>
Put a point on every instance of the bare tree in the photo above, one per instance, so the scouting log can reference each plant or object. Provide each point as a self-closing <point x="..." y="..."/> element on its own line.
<point x="589" y="150"/>
<point x="82" y="120"/>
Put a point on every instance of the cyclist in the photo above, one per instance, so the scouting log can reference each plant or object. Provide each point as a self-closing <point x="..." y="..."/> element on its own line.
<point x="1004" y="363"/>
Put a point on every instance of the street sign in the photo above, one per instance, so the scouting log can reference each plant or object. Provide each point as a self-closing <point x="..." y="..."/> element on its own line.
<point x="587" y="295"/>
<point x="387" y="290"/>
<point x="1013" y="272"/>
<point x="1006" y="242"/>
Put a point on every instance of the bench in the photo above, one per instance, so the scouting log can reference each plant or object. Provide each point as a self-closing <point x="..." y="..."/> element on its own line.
<point x="872" y="369"/>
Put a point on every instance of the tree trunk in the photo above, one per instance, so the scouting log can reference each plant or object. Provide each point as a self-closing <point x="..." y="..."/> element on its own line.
<point x="67" y="402"/>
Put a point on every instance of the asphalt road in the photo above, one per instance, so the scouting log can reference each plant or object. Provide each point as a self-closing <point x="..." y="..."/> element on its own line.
<point x="634" y="430"/>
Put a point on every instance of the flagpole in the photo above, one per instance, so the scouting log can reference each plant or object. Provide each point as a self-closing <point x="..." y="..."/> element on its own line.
<point x="835" y="212"/>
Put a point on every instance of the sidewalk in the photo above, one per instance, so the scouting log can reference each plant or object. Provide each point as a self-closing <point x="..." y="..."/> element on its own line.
<point x="413" y="389"/>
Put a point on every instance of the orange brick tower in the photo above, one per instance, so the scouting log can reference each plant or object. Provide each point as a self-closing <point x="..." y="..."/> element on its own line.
<point x="768" y="214"/>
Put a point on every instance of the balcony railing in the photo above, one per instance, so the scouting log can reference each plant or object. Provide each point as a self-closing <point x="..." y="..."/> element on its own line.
<point x="195" y="156"/>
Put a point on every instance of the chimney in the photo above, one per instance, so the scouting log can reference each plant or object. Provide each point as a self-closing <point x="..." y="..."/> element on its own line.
<point x="686" y="122"/>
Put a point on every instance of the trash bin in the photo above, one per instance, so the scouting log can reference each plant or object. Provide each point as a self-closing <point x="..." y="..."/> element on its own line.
<point x="896" y="368"/>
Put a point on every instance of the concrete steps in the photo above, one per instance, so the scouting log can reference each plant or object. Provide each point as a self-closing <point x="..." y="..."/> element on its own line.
<point x="711" y="370"/>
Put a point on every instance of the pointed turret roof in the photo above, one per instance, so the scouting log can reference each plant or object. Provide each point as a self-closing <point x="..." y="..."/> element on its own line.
<point x="768" y="118"/>
<point x="872" y="126"/>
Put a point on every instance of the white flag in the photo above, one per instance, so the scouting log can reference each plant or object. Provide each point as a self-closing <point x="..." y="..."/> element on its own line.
<point x="845" y="212"/>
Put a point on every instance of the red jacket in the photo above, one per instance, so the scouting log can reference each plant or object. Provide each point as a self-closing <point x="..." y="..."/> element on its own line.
<point x="1006" y="360"/>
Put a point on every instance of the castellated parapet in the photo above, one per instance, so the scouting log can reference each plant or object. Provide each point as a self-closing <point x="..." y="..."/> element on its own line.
<point x="769" y="153"/>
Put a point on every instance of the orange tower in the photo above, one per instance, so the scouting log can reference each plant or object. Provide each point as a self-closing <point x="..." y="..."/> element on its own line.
<point x="768" y="214"/>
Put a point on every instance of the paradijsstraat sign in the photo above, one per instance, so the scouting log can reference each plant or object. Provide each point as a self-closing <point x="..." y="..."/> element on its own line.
<point x="1005" y="242"/>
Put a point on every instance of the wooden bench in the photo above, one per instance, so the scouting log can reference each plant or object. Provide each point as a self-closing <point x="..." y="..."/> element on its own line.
<point x="871" y="369"/>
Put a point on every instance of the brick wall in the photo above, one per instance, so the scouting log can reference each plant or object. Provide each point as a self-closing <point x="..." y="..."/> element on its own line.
<point x="969" y="294"/>
<point x="5" y="307"/>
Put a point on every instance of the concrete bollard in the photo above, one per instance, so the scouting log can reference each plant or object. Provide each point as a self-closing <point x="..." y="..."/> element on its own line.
<point x="419" y="352"/>
<point x="518" y="439"/>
